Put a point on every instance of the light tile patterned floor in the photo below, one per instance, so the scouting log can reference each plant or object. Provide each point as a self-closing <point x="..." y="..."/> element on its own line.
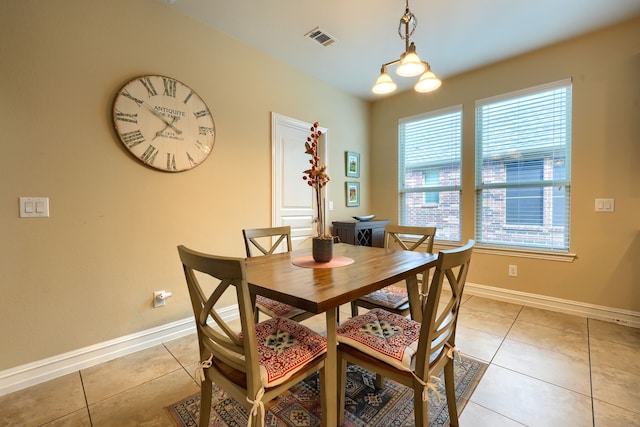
<point x="546" y="369"/>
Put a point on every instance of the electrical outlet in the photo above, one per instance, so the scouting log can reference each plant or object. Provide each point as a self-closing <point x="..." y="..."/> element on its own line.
<point x="160" y="298"/>
<point x="158" y="301"/>
<point x="513" y="270"/>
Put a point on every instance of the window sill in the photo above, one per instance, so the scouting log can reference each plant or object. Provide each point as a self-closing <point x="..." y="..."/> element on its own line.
<point x="512" y="252"/>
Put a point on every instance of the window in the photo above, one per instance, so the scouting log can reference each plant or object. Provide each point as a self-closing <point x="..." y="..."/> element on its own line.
<point x="524" y="205"/>
<point x="430" y="171"/>
<point x="523" y="159"/>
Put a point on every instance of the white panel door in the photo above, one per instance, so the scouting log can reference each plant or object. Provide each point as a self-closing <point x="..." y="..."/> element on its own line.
<point x="293" y="202"/>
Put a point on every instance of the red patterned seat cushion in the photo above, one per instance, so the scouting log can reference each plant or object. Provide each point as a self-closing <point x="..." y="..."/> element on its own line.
<point x="284" y="347"/>
<point x="386" y="336"/>
<point x="390" y="296"/>
<point x="276" y="309"/>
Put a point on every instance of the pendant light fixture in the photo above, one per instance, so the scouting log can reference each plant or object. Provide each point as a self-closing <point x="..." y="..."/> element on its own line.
<point x="410" y="63"/>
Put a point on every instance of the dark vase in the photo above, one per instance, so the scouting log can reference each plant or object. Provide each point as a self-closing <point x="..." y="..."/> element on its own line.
<point x="322" y="249"/>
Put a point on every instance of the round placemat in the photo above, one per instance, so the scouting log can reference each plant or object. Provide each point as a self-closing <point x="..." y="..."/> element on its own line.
<point x="308" y="262"/>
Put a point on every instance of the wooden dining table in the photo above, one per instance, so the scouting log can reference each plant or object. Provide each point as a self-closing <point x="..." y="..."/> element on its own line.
<point x="324" y="290"/>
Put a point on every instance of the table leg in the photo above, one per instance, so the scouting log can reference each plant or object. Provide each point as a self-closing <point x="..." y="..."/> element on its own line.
<point x="413" y="290"/>
<point x="330" y="380"/>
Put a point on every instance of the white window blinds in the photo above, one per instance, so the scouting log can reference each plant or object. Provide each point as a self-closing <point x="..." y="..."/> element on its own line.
<point x="430" y="150"/>
<point x="523" y="165"/>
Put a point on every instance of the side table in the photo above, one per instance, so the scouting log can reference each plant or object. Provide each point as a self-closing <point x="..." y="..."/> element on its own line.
<point x="362" y="233"/>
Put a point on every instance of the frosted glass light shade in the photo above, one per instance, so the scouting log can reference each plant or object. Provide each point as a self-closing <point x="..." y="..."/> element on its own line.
<point x="384" y="84"/>
<point x="428" y="82"/>
<point x="410" y="63"/>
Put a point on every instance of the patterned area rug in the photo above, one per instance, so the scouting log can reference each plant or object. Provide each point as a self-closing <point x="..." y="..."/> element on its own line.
<point x="365" y="406"/>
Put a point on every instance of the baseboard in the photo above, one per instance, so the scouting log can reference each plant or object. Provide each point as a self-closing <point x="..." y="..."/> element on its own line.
<point x="33" y="373"/>
<point x="591" y="311"/>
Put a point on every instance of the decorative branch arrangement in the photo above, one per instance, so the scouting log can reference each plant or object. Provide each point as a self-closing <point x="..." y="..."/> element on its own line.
<point x="317" y="177"/>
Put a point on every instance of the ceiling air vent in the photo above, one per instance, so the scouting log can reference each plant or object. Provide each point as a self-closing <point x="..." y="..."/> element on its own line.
<point x="320" y="36"/>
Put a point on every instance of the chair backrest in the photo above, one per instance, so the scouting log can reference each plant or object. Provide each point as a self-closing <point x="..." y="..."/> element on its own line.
<point x="405" y="236"/>
<point x="438" y="331"/>
<point x="262" y="238"/>
<point x="410" y="238"/>
<point x="215" y="337"/>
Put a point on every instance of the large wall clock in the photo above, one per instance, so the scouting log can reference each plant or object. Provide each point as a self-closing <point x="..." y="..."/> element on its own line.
<point x="163" y="123"/>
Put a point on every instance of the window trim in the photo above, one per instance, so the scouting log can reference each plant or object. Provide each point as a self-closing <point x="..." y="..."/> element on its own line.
<point x="482" y="248"/>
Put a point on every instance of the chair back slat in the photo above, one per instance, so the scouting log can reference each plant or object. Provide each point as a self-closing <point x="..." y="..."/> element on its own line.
<point x="408" y="237"/>
<point x="262" y="239"/>
<point x="439" y="318"/>
<point x="215" y="336"/>
<point x="412" y="238"/>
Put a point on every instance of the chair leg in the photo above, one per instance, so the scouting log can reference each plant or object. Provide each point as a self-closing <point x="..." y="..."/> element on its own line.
<point x="420" y="408"/>
<point x="258" y="419"/>
<point x="379" y="381"/>
<point x="342" y="387"/>
<point x="206" y="390"/>
<point x="354" y="309"/>
<point x="450" y="387"/>
<point x="322" y="378"/>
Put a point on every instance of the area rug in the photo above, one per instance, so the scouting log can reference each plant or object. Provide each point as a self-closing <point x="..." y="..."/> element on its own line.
<point x="364" y="406"/>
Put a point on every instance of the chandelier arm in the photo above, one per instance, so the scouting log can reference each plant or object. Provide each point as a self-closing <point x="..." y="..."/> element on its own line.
<point x="391" y="63"/>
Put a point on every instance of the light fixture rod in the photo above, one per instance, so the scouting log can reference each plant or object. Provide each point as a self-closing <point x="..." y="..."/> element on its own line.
<point x="406" y="20"/>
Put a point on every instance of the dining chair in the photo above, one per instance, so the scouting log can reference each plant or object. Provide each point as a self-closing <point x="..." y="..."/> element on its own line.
<point x="259" y="241"/>
<point x="259" y="361"/>
<point x="411" y="352"/>
<point x="395" y="298"/>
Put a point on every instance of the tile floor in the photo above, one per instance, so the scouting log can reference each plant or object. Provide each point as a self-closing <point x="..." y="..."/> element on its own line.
<point x="546" y="369"/>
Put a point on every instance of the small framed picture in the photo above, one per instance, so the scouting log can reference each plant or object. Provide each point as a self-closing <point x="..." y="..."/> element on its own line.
<point x="353" y="193"/>
<point x="352" y="163"/>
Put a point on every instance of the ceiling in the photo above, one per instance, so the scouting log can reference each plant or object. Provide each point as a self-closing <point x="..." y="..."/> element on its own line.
<point x="454" y="36"/>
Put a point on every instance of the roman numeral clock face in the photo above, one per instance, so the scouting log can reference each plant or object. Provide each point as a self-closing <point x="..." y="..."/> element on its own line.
<point x="163" y="123"/>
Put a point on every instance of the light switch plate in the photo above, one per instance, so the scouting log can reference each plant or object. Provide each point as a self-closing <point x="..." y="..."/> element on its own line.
<point x="605" y="205"/>
<point x="34" y="207"/>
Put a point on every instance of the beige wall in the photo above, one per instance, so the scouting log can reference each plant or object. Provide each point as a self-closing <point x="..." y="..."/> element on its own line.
<point x="86" y="274"/>
<point x="605" y="67"/>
